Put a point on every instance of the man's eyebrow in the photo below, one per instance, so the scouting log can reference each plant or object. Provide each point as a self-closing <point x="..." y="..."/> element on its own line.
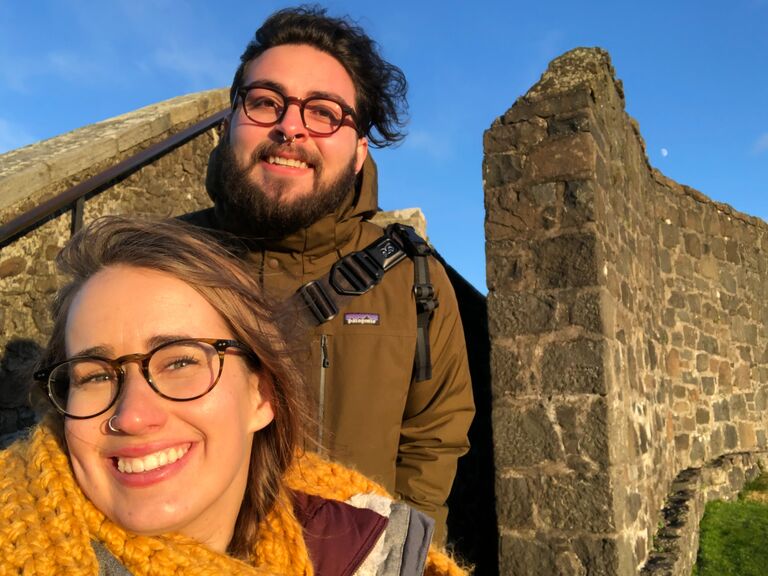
<point x="276" y="86"/>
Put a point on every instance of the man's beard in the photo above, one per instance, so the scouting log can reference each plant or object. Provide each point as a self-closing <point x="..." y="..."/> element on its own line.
<point x="249" y="210"/>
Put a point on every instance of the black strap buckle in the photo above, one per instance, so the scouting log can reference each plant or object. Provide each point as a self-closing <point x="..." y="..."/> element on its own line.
<point x="414" y="244"/>
<point x="358" y="272"/>
<point x="425" y="297"/>
<point x="320" y="303"/>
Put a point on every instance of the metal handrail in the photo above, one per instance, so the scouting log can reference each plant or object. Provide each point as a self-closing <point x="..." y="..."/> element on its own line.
<point x="103" y="180"/>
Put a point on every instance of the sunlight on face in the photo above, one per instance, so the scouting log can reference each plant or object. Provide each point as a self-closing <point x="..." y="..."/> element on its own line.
<point x="174" y="466"/>
<point x="299" y="71"/>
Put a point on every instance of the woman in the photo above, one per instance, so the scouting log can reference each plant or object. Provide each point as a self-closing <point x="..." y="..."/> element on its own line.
<point x="174" y="441"/>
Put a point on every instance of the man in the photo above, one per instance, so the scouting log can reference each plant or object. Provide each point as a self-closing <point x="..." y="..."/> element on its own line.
<point x="292" y="176"/>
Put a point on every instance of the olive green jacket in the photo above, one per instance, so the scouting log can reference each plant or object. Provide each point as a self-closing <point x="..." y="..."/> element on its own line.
<point x="404" y="434"/>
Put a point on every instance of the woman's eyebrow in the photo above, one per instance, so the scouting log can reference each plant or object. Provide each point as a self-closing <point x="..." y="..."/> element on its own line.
<point x="106" y="351"/>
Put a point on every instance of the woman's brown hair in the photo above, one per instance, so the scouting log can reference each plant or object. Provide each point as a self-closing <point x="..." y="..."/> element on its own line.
<point x="203" y="262"/>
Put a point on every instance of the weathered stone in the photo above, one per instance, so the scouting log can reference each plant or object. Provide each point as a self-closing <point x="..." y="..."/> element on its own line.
<point x="731" y="437"/>
<point x="12" y="267"/>
<point x="523" y="556"/>
<point x="515" y="503"/>
<point x="565" y="158"/>
<point x="524" y="436"/>
<point x="506" y="137"/>
<point x="508" y="371"/>
<point x="522" y="313"/>
<point x="573" y="367"/>
<point x="500" y="169"/>
<point x="577" y="501"/>
<point x="567" y="261"/>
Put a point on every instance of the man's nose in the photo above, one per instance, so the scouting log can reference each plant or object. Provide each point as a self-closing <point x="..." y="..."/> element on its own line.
<point x="291" y="124"/>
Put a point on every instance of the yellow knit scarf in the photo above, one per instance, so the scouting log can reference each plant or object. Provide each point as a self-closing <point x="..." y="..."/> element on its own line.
<point x="47" y="524"/>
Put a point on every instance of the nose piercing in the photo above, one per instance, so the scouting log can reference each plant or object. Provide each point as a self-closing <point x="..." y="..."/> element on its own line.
<point x="286" y="140"/>
<point x="112" y="426"/>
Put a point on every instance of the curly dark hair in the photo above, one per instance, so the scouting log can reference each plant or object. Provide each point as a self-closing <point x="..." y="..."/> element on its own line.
<point x="381" y="87"/>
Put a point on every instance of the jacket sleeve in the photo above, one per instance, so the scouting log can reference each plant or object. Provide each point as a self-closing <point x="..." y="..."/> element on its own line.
<point x="438" y="413"/>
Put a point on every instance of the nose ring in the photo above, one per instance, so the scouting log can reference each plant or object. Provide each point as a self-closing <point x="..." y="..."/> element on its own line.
<point x="286" y="140"/>
<point x="111" y="426"/>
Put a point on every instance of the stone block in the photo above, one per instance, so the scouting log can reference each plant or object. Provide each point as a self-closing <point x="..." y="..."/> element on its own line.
<point x="520" y="313"/>
<point x="693" y="245"/>
<point x="560" y="159"/>
<point x="703" y="416"/>
<point x="586" y="310"/>
<point x="574" y="367"/>
<point x="514" y="503"/>
<point x="501" y="169"/>
<point x="747" y="436"/>
<point x="721" y="411"/>
<point x="567" y="261"/>
<point x="576" y="502"/>
<point x="12" y="266"/>
<point x="23" y="182"/>
<point x="519" y="135"/>
<point x="702" y="362"/>
<point x="524" y="436"/>
<point x="571" y="101"/>
<point x="579" y="203"/>
<point x="670" y="235"/>
<point x="509" y="372"/>
<point x="707" y="344"/>
<point x="77" y="157"/>
<point x="526" y="556"/>
<point x="570" y="123"/>
<point x="738" y="406"/>
<point x="732" y="252"/>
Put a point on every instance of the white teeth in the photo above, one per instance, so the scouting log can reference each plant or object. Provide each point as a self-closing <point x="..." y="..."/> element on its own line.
<point x="287" y="162"/>
<point x="151" y="461"/>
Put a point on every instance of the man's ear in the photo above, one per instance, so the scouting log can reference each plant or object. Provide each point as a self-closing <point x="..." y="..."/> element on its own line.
<point x="260" y="387"/>
<point x="361" y="153"/>
<point x="224" y="127"/>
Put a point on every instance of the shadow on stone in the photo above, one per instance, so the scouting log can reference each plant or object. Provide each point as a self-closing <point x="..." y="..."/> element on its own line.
<point x="16" y="367"/>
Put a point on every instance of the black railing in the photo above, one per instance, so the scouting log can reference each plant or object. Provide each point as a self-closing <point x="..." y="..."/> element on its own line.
<point x="74" y="197"/>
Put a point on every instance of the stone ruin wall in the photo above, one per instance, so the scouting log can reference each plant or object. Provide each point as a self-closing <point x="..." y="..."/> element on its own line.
<point x="628" y="336"/>
<point x="31" y="175"/>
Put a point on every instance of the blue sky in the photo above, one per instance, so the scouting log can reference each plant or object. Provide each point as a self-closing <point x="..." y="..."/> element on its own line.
<point x="695" y="75"/>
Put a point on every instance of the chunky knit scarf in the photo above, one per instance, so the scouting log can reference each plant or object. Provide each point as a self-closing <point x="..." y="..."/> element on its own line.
<point x="47" y="524"/>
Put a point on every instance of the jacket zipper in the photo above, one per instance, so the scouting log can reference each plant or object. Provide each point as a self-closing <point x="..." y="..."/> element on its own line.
<point x="324" y="363"/>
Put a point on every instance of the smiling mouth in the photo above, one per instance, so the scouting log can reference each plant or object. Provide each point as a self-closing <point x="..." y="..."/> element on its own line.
<point x="291" y="162"/>
<point x="150" y="461"/>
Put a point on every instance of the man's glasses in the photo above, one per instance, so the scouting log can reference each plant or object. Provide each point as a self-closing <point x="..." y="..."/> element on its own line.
<point x="181" y="370"/>
<point x="322" y="116"/>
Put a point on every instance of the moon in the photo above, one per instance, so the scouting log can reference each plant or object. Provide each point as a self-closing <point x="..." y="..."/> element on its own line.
<point x="664" y="152"/>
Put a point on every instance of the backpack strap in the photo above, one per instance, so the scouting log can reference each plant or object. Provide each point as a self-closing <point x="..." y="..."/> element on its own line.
<point x="426" y="301"/>
<point x="358" y="272"/>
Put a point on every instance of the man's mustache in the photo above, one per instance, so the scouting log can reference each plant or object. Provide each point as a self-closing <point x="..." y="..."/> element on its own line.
<point x="264" y="150"/>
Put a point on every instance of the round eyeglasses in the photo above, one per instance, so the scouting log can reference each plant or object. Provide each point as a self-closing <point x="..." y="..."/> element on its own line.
<point x="322" y="116"/>
<point x="181" y="370"/>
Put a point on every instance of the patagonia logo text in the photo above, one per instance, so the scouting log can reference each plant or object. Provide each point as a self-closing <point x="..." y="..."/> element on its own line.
<point x="365" y="318"/>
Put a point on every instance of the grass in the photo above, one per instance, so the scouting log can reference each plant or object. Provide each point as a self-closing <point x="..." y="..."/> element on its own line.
<point x="734" y="535"/>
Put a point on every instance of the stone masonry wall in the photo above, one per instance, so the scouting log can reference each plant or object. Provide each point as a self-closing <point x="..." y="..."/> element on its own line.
<point x="628" y="328"/>
<point x="28" y="176"/>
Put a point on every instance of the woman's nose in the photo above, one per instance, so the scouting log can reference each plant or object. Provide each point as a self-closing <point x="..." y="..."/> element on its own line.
<point x="139" y="409"/>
